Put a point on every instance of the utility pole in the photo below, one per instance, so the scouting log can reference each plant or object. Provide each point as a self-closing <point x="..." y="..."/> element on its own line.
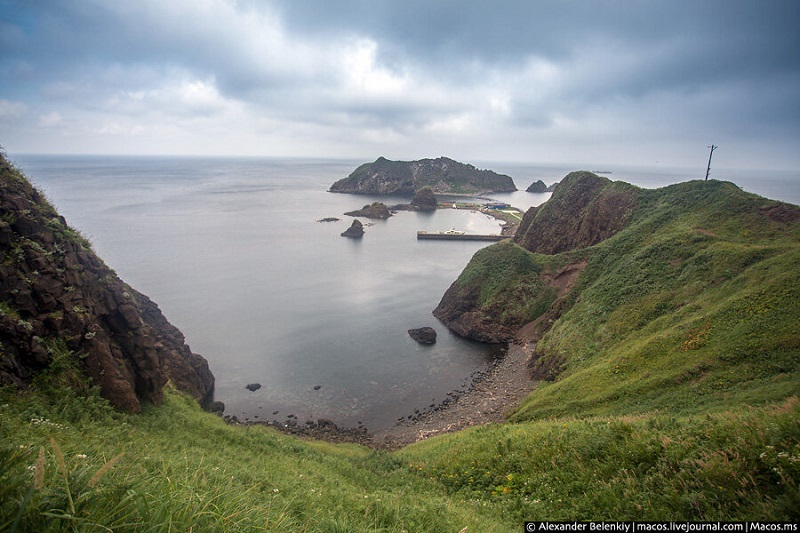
<point x="708" y="169"/>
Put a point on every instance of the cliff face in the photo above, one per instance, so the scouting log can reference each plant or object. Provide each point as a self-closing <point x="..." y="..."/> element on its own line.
<point x="441" y="175"/>
<point x="584" y="210"/>
<point x="58" y="299"/>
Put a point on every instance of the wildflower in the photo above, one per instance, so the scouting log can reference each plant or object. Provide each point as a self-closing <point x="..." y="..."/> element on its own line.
<point x="81" y="456"/>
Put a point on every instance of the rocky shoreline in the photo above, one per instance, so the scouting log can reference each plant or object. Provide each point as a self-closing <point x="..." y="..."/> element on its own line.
<point x="489" y="396"/>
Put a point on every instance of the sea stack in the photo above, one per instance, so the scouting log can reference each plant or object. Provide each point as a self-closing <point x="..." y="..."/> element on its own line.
<point x="355" y="231"/>
<point x="424" y="200"/>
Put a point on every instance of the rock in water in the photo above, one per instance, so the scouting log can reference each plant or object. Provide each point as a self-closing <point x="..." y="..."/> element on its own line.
<point x="377" y="210"/>
<point x="424" y="200"/>
<point x="355" y="231"/>
<point x="424" y="335"/>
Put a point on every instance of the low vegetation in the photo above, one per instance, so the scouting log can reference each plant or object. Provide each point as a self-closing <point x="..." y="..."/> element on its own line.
<point x="677" y="400"/>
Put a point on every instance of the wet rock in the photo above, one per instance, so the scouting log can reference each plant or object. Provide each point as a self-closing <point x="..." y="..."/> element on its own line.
<point x="425" y="335"/>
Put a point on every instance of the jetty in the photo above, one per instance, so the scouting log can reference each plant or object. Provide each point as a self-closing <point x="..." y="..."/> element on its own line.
<point x="458" y="236"/>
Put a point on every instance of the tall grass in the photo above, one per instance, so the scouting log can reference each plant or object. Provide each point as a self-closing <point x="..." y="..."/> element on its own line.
<point x="742" y="464"/>
<point x="177" y="468"/>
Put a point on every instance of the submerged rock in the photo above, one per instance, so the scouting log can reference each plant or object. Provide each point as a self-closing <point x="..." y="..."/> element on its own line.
<point x="424" y="335"/>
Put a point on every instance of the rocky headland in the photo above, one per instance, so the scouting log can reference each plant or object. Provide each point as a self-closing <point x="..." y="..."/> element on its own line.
<point x="584" y="210"/>
<point x="441" y="175"/>
<point x="59" y="300"/>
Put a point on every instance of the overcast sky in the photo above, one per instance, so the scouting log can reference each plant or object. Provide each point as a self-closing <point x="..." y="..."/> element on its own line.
<point x="626" y="82"/>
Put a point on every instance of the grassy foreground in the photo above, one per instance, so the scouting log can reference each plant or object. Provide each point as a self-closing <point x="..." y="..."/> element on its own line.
<point x="678" y="352"/>
<point x="71" y="463"/>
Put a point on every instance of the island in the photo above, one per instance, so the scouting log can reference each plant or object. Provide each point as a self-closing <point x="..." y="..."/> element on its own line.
<point x="441" y="175"/>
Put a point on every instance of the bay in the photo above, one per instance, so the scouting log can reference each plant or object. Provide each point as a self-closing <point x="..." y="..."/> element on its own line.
<point x="232" y="251"/>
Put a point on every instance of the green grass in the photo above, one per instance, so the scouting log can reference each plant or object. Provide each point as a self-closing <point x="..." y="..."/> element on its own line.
<point x="733" y="465"/>
<point x="689" y="309"/>
<point x="677" y="401"/>
<point x="177" y="468"/>
<point x="71" y="463"/>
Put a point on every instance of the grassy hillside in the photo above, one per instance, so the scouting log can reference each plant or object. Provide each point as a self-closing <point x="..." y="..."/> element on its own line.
<point x="677" y="399"/>
<point x="68" y="462"/>
<point x="694" y="306"/>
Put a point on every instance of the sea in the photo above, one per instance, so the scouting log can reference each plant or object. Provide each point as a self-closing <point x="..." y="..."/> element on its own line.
<point x="234" y="252"/>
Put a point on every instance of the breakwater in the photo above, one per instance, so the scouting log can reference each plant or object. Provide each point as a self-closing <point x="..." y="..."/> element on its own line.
<point x="459" y="236"/>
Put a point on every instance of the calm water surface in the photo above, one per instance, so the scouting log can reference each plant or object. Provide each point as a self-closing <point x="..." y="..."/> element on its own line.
<point x="231" y="250"/>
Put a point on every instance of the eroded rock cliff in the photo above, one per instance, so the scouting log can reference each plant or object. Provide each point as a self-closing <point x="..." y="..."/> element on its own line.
<point x="584" y="210"/>
<point x="58" y="299"/>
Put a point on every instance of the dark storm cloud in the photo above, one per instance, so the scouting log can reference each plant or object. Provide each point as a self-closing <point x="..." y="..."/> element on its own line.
<point x="427" y="72"/>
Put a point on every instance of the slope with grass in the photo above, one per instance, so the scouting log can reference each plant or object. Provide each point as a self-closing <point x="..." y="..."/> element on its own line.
<point x="673" y="348"/>
<point x="694" y="303"/>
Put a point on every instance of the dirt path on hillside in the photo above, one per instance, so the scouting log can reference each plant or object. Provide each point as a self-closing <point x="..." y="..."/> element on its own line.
<point x="493" y="394"/>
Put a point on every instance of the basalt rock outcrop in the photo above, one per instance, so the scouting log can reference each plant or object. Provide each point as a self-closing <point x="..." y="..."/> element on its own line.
<point x="441" y="175"/>
<point x="58" y="299"/>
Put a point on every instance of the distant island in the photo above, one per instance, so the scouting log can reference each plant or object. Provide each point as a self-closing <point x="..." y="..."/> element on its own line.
<point x="441" y="175"/>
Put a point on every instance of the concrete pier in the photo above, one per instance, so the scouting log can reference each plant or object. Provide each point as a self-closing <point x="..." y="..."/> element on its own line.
<point x="442" y="236"/>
